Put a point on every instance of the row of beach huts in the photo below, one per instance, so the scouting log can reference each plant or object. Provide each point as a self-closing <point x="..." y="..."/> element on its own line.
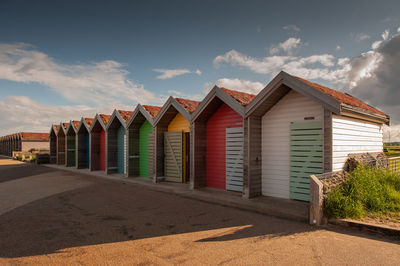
<point x="266" y="144"/>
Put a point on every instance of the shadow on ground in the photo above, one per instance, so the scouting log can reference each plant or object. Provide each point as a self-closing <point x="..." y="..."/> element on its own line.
<point x="109" y="212"/>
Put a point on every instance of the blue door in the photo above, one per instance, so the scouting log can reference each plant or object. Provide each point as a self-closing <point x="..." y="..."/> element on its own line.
<point x="121" y="149"/>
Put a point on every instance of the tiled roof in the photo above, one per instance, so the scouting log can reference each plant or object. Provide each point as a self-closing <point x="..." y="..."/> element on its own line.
<point x="189" y="105"/>
<point x="75" y="123"/>
<point x="105" y="118"/>
<point x="89" y="121"/>
<point x="152" y="110"/>
<point x="342" y="97"/>
<point x="65" y="125"/>
<point x="125" y="114"/>
<point x="56" y="127"/>
<point x="34" y="136"/>
<point x="242" y="97"/>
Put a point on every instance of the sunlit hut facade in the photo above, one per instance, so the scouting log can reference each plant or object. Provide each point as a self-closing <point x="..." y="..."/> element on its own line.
<point x="141" y="141"/>
<point x="217" y="140"/>
<point x="98" y="142"/>
<point x="116" y="142"/>
<point x="71" y="143"/>
<point x="53" y="143"/>
<point x="295" y="128"/>
<point x="83" y="143"/>
<point x="61" y="143"/>
<point x="172" y="137"/>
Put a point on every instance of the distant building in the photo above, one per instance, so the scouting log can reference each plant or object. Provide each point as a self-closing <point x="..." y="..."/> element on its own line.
<point x="23" y="141"/>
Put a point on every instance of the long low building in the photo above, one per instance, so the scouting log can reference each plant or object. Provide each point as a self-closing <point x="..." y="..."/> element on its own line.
<point x="258" y="145"/>
<point x="23" y="142"/>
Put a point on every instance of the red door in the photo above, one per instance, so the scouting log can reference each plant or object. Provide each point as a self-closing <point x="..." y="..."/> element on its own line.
<point x="224" y="117"/>
<point x="102" y="150"/>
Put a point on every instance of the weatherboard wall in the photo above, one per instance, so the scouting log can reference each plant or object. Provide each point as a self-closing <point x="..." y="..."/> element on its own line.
<point x="145" y="130"/>
<point x="351" y="135"/>
<point x="275" y="131"/>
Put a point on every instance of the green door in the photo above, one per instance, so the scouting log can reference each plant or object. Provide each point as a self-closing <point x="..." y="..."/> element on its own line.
<point x="306" y="157"/>
<point x="121" y="149"/>
<point x="144" y="132"/>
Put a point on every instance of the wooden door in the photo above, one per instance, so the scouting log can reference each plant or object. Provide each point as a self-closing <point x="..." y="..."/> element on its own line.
<point x="306" y="157"/>
<point x="234" y="159"/>
<point x="173" y="156"/>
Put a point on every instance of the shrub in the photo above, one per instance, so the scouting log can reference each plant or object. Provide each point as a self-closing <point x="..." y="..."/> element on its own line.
<point x="365" y="191"/>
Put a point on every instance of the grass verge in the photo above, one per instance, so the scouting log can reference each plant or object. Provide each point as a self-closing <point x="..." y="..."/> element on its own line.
<point x="367" y="192"/>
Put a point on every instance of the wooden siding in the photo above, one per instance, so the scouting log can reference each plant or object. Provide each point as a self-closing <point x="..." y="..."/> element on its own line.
<point x="351" y="135"/>
<point x="144" y="132"/>
<point x="276" y="140"/>
<point x="225" y="117"/>
<point x="102" y="150"/>
<point x="53" y="147"/>
<point x="198" y="155"/>
<point x="151" y="150"/>
<point x="82" y="138"/>
<point x="179" y="123"/>
<point x="71" y="148"/>
<point x="121" y="140"/>
<point x="173" y="149"/>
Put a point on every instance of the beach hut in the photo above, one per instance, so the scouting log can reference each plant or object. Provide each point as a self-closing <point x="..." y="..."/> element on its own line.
<point x="217" y="140"/>
<point x="53" y="143"/>
<point x="98" y="142"/>
<point x="141" y="141"/>
<point x="61" y="143"/>
<point x="172" y="140"/>
<point x="83" y="143"/>
<point x="70" y="136"/>
<point x="116" y="142"/>
<point x="295" y="128"/>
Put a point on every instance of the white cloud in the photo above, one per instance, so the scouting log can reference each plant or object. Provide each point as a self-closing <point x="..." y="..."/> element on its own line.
<point x="287" y="46"/>
<point x="292" y="28"/>
<point x="362" y="36"/>
<point x="194" y="97"/>
<point x="375" y="45"/>
<point x="338" y="47"/>
<point x="240" y="85"/>
<point x="171" y="73"/>
<point x="21" y="113"/>
<point x="398" y="29"/>
<point x="385" y="34"/>
<point x="311" y="67"/>
<point x="97" y="82"/>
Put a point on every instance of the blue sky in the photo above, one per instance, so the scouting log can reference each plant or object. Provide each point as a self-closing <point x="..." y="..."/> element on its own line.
<point x="69" y="58"/>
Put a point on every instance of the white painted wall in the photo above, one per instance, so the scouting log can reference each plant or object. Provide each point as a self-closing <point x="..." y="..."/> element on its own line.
<point x="351" y="135"/>
<point x="41" y="145"/>
<point x="276" y="140"/>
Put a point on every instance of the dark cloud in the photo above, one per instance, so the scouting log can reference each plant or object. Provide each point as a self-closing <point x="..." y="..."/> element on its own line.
<point x="381" y="86"/>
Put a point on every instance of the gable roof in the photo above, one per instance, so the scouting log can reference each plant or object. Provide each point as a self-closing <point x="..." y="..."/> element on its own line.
<point x="335" y="101"/>
<point x="34" y="136"/>
<point x="125" y="115"/>
<point x="105" y="118"/>
<point x="189" y="105"/>
<point x="152" y="110"/>
<point x="242" y="97"/>
<point x="88" y="121"/>
<point x="183" y="106"/>
<point x="343" y="97"/>
<point x="75" y="123"/>
<point x="236" y="100"/>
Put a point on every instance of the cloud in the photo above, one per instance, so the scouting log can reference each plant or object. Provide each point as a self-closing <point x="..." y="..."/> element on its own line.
<point x="91" y="83"/>
<point x="385" y="34"/>
<point x="292" y="28"/>
<point x="171" y="73"/>
<point x="240" y="85"/>
<point x="195" y="97"/>
<point x="287" y="46"/>
<point x="374" y="77"/>
<point x="311" y="67"/>
<point x="338" y="47"/>
<point x="21" y="113"/>
<point x="361" y="36"/>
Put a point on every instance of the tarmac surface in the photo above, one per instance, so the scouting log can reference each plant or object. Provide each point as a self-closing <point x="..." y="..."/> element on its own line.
<point x="50" y="216"/>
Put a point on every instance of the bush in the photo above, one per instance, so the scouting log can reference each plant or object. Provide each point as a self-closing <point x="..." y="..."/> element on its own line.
<point x="366" y="191"/>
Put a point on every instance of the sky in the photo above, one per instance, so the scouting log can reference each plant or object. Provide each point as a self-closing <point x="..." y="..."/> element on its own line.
<point x="61" y="60"/>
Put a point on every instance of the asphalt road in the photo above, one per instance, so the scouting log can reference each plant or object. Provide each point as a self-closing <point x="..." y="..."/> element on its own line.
<point x="49" y="216"/>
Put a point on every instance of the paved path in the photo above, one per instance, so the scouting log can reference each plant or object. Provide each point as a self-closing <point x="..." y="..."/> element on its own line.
<point x="80" y="219"/>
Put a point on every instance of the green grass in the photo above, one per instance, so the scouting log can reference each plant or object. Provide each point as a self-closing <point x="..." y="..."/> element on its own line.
<point x="366" y="192"/>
